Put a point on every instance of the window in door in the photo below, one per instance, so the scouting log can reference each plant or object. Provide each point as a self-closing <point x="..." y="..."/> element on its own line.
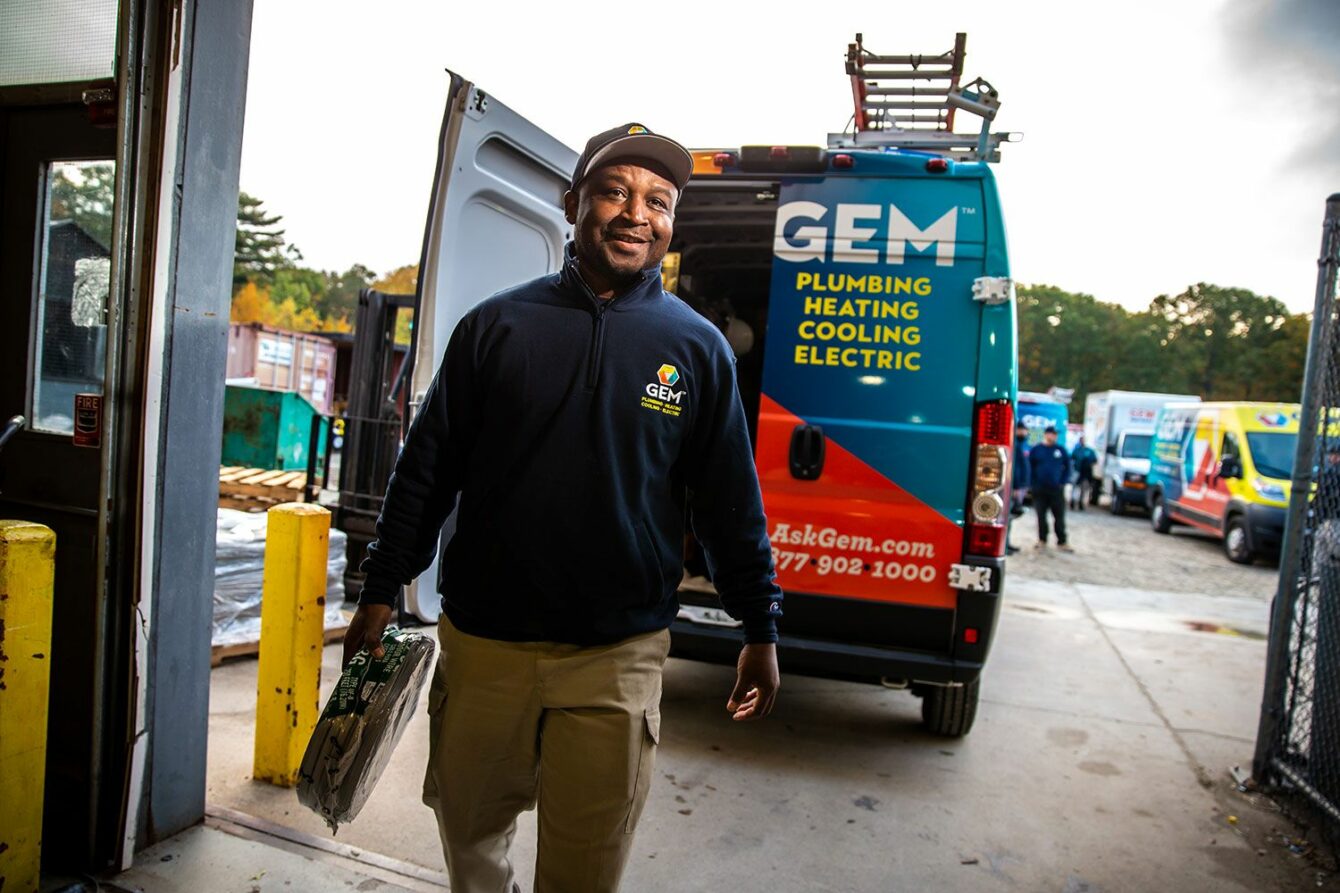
<point x="73" y="279"/>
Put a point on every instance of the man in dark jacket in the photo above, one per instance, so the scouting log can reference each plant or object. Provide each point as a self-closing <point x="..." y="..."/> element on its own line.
<point x="575" y="423"/>
<point x="1049" y="466"/>
<point x="1084" y="460"/>
<point x="1018" y="483"/>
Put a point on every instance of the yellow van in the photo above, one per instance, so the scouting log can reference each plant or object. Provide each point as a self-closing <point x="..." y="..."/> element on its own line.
<point x="1225" y="468"/>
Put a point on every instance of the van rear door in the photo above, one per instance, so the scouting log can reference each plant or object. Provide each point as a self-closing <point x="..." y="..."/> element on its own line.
<point x="495" y="219"/>
<point x="869" y="384"/>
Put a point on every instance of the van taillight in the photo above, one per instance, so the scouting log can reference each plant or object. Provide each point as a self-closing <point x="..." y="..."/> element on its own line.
<point x="989" y="502"/>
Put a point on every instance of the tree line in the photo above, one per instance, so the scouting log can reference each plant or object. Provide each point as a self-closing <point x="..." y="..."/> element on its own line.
<point x="1218" y="343"/>
<point x="1215" y="342"/>
<point x="271" y="286"/>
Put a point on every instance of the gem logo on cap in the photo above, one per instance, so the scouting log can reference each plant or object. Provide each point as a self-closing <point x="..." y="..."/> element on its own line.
<point x="637" y="128"/>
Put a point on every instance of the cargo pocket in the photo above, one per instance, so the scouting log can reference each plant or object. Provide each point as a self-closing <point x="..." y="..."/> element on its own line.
<point x="437" y="700"/>
<point x="646" y="761"/>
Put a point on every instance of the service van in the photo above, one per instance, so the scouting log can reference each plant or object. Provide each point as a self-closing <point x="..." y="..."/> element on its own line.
<point x="1225" y="468"/>
<point x="1037" y="412"/>
<point x="1119" y="426"/>
<point x="864" y="286"/>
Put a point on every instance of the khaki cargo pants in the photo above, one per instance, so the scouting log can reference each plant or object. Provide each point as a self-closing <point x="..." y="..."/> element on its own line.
<point x="515" y="724"/>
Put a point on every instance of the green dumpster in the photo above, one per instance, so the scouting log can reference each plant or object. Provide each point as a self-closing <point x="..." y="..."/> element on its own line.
<point x="269" y="429"/>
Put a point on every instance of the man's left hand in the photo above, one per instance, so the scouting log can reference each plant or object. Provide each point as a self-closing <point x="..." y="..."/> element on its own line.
<point x="756" y="682"/>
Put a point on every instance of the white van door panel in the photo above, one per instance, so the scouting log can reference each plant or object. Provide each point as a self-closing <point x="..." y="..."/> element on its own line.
<point x="496" y="220"/>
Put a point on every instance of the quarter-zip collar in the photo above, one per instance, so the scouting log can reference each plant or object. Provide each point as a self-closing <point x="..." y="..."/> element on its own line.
<point x="646" y="287"/>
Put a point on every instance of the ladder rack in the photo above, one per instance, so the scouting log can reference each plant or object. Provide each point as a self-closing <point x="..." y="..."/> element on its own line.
<point x="909" y="102"/>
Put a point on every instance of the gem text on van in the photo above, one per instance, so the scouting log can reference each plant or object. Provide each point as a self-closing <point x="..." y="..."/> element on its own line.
<point x="851" y="239"/>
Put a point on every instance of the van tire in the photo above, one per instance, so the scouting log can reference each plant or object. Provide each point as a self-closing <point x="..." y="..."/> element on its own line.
<point x="1238" y="541"/>
<point x="1116" y="503"/>
<point x="950" y="712"/>
<point x="1158" y="515"/>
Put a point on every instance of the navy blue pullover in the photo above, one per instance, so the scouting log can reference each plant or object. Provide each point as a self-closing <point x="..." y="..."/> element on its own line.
<point x="1021" y="472"/>
<point x="581" y="437"/>
<point x="1049" y="466"/>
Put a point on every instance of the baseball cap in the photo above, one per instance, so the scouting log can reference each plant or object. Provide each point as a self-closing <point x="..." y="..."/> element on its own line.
<point x="633" y="141"/>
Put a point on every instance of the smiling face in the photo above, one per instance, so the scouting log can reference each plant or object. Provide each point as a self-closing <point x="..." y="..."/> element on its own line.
<point x="623" y="216"/>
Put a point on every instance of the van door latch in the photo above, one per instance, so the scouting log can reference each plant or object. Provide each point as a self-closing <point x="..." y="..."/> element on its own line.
<point x="993" y="289"/>
<point x="973" y="578"/>
<point x="807" y="452"/>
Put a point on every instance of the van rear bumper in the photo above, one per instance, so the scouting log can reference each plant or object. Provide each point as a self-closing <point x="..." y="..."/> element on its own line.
<point x="818" y="657"/>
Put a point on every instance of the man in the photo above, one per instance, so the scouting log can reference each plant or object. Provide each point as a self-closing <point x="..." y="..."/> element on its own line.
<point x="1049" y="468"/>
<point x="1084" y="459"/>
<point x="579" y="417"/>
<point x="1018" y="482"/>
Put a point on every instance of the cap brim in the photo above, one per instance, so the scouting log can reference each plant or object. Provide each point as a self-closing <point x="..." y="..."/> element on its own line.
<point x="663" y="150"/>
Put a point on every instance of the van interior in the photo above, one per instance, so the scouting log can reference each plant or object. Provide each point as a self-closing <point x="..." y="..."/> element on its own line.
<point x="723" y="234"/>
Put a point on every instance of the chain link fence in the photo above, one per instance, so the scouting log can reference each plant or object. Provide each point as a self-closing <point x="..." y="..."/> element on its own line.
<point x="1298" y="743"/>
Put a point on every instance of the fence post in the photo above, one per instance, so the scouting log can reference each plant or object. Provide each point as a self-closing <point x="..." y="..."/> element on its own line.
<point x="27" y="576"/>
<point x="1293" y="561"/>
<point x="293" y="598"/>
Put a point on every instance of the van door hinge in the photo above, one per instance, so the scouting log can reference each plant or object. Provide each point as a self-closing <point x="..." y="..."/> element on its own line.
<point x="477" y="104"/>
<point x="993" y="289"/>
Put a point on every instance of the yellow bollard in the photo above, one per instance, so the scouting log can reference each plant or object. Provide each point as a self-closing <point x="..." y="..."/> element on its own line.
<point x="27" y="575"/>
<point x="293" y="599"/>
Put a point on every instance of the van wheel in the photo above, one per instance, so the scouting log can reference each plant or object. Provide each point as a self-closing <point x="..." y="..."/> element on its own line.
<point x="1158" y="515"/>
<point x="1237" y="544"/>
<point x="1117" y="504"/>
<point x="950" y="711"/>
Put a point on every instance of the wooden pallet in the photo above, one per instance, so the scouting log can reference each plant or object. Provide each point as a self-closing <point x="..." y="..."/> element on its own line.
<point x="219" y="653"/>
<point x="257" y="489"/>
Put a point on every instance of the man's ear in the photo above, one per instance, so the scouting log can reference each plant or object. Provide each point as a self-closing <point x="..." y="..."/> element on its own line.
<point x="570" y="206"/>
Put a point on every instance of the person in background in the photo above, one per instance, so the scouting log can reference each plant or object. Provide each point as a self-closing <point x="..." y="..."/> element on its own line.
<point x="1049" y="469"/>
<point x="1018" y="482"/>
<point x="1083" y="459"/>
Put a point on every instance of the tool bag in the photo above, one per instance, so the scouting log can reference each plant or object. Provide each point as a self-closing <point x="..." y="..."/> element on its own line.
<point x="361" y="724"/>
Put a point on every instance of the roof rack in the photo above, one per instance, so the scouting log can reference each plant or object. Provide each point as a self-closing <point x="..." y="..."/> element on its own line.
<point x="908" y="102"/>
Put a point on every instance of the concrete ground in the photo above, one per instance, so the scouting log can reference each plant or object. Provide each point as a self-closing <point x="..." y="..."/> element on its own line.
<point x="1110" y="719"/>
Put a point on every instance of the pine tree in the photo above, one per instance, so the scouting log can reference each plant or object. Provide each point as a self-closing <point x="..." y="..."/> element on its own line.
<point x="260" y="249"/>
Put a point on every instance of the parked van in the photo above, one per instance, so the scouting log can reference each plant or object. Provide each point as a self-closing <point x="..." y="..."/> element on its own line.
<point x="1225" y="468"/>
<point x="1119" y="425"/>
<point x="1038" y="412"/>
<point x="865" y="290"/>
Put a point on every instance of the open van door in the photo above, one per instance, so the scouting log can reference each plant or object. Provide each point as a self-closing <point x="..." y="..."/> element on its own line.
<point x="495" y="220"/>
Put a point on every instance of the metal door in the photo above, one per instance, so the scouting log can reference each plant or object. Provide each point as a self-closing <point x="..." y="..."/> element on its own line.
<point x="55" y="259"/>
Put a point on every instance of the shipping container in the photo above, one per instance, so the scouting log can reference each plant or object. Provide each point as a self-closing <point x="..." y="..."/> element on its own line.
<point x="277" y="360"/>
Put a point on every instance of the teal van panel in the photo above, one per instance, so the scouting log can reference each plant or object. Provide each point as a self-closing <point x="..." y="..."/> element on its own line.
<point x="873" y="332"/>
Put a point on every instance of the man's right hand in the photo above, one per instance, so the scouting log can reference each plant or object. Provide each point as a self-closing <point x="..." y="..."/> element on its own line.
<point x="365" y="631"/>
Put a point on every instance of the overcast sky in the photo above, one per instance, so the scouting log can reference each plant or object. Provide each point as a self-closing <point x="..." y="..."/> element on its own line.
<point x="1166" y="142"/>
